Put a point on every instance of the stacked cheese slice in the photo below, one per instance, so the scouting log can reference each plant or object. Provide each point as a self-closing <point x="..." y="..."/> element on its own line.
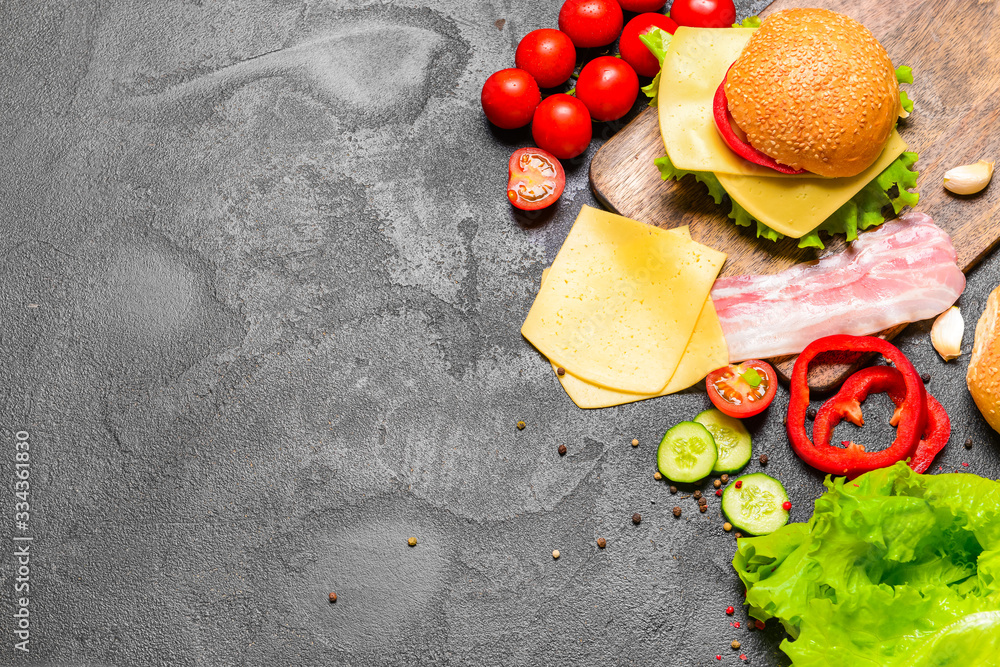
<point x="625" y="311"/>
<point x="694" y="66"/>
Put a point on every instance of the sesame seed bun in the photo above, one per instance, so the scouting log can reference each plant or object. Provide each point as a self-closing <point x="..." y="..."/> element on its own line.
<point x="983" y="376"/>
<point x="816" y="91"/>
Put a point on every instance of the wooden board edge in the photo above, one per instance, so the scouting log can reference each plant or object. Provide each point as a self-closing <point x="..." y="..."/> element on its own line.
<point x="597" y="160"/>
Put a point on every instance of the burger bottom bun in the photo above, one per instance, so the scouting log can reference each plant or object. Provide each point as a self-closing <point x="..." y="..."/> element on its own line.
<point x="983" y="376"/>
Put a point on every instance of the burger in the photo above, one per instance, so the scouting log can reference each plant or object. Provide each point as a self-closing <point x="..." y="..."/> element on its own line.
<point x="794" y="122"/>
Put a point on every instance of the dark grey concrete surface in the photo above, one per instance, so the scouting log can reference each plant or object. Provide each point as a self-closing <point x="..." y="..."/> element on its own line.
<point x="259" y="312"/>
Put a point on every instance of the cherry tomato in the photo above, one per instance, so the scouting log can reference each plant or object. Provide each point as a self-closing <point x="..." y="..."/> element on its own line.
<point x="536" y="179"/>
<point x="703" y="13"/>
<point x="509" y="98"/>
<point x="742" y="390"/>
<point x="562" y="126"/>
<point x="633" y="51"/>
<point x="608" y="86"/>
<point x="641" y="5"/>
<point x="548" y="55"/>
<point x="591" y="23"/>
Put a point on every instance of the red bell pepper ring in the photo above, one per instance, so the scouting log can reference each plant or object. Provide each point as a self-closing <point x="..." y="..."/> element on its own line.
<point x="883" y="379"/>
<point x="846" y="404"/>
<point x="935" y="436"/>
<point x="723" y="122"/>
<point x="853" y="460"/>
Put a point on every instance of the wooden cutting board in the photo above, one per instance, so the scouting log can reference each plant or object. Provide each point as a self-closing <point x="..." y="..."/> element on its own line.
<point x="953" y="47"/>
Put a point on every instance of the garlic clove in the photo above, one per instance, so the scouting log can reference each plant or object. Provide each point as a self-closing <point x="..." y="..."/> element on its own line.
<point x="946" y="333"/>
<point x="969" y="178"/>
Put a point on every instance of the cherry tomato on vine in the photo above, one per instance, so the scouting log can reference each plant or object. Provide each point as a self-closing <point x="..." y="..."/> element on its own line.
<point x="535" y="179"/>
<point x="633" y="51"/>
<point x="561" y="126"/>
<point x="591" y="23"/>
<point x="608" y="86"/>
<point x="742" y="390"/>
<point x="638" y="6"/>
<point x="703" y="13"/>
<point x="509" y="98"/>
<point x="548" y="55"/>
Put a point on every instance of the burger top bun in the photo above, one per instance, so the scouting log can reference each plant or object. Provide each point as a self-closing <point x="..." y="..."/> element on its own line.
<point x="983" y="376"/>
<point x="816" y="91"/>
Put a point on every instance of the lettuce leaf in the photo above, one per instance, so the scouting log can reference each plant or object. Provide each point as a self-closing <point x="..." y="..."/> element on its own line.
<point x="748" y="22"/>
<point x="669" y="171"/>
<point x="862" y="211"/>
<point x="893" y="569"/>
<point x="657" y="41"/>
<point x="904" y="74"/>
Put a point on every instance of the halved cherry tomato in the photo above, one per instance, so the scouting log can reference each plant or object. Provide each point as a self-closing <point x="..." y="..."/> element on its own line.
<point x="536" y="179"/>
<point x="562" y="126"/>
<point x="548" y="55"/>
<point x="608" y="86"/>
<point x="742" y="390"/>
<point x="703" y="13"/>
<point x="633" y="51"/>
<point x="509" y="98"/>
<point x="591" y="23"/>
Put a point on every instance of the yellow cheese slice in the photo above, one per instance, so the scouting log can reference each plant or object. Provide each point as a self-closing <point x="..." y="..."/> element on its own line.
<point x="621" y="302"/>
<point x="693" y="68"/>
<point x="705" y="352"/>
<point x="796" y="206"/>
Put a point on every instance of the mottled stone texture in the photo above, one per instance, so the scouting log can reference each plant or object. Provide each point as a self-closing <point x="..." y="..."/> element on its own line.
<point x="259" y="311"/>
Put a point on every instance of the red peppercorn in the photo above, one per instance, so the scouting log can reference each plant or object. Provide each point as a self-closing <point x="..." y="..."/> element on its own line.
<point x="739" y="483"/>
<point x="759" y="624"/>
<point x="718" y="492"/>
<point x="787" y="505"/>
<point x="743" y="656"/>
<point x="718" y="657"/>
<point x="730" y="611"/>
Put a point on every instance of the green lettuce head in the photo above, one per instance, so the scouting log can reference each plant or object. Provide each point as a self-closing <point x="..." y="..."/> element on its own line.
<point x="894" y="569"/>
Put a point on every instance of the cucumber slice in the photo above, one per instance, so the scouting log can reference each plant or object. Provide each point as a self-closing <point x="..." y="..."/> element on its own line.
<point x="686" y="453"/>
<point x="731" y="437"/>
<point x="756" y="507"/>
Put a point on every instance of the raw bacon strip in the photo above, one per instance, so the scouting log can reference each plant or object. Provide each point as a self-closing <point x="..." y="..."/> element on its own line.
<point x="903" y="271"/>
